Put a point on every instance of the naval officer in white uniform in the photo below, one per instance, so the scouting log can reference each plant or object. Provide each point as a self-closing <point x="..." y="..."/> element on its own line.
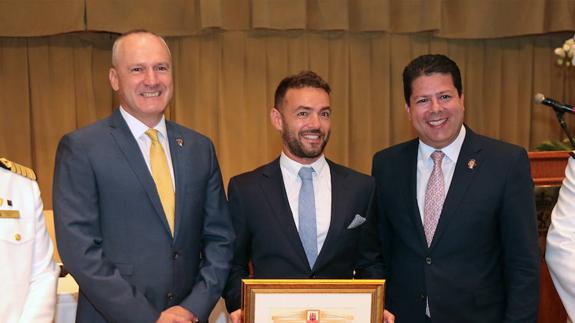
<point x="28" y="273"/>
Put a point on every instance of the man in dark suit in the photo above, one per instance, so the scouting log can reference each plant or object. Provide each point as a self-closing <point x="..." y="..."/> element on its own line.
<point x="141" y="217"/>
<point x="268" y="205"/>
<point x="456" y="212"/>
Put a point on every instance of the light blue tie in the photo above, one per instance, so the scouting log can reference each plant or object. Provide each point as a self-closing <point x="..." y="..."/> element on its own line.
<point x="307" y="224"/>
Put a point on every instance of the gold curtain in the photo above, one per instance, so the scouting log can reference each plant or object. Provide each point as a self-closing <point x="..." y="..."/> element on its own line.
<point x="225" y="80"/>
<point x="446" y="18"/>
<point x="40" y="17"/>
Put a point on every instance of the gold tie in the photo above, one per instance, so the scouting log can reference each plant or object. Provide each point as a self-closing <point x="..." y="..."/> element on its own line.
<point x="162" y="177"/>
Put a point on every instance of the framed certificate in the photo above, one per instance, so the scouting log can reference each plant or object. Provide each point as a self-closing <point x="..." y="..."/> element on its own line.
<point x="313" y="300"/>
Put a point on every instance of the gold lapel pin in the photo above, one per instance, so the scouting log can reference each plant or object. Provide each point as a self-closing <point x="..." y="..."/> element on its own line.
<point x="471" y="164"/>
<point x="180" y="142"/>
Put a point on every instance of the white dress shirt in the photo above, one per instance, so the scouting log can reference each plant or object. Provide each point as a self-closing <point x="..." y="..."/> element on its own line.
<point x="139" y="129"/>
<point x="425" y="166"/>
<point x="321" y="189"/>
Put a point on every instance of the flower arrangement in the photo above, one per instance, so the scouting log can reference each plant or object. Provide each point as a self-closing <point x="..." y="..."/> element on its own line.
<point x="566" y="53"/>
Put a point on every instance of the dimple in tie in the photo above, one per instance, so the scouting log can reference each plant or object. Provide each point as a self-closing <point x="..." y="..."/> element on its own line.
<point x="434" y="197"/>
<point x="307" y="221"/>
<point x="162" y="177"/>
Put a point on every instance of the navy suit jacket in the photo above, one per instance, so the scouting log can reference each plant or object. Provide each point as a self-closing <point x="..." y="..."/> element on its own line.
<point x="267" y="235"/>
<point x="113" y="235"/>
<point x="483" y="262"/>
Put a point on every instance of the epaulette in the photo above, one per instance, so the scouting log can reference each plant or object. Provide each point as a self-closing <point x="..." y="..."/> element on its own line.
<point x="17" y="168"/>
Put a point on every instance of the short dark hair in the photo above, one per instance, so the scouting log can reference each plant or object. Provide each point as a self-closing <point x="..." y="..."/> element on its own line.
<point x="427" y="65"/>
<point x="298" y="81"/>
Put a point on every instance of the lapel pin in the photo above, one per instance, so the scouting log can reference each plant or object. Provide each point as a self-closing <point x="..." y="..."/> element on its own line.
<point x="180" y="142"/>
<point x="471" y="164"/>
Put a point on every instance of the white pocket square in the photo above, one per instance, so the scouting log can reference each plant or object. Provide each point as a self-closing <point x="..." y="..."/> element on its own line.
<point x="357" y="221"/>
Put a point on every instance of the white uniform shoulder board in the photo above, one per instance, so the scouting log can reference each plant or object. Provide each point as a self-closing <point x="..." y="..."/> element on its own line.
<point x="17" y="168"/>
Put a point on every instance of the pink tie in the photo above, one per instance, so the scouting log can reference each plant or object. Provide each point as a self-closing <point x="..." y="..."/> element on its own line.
<point x="434" y="196"/>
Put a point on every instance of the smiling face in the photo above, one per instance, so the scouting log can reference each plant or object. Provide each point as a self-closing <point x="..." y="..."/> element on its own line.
<point x="142" y="76"/>
<point x="304" y="122"/>
<point x="435" y="109"/>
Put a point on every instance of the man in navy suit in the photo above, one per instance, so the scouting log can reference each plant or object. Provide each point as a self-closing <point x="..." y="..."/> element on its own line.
<point x="267" y="205"/>
<point x="143" y="247"/>
<point x="456" y="212"/>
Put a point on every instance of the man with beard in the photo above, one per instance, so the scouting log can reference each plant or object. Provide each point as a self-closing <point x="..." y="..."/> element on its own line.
<point x="301" y="216"/>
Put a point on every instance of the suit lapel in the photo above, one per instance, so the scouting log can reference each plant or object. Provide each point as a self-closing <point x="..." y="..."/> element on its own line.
<point x="462" y="177"/>
<point x="275" y="194"/>
<point x="129" y="147"/>
<point x="176" y="143"/>
<point x="409" y="161"/>
<point x="338" y="216"/>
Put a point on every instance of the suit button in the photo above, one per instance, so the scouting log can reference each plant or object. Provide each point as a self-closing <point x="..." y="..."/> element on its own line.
<point x="176" y="255"/>
<point x="170" y="296"/>
<point x="428" y="260"/>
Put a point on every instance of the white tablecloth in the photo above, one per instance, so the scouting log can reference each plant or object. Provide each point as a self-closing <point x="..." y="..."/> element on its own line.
<point x="67" y="300"/>
<point x="219" y="314"/>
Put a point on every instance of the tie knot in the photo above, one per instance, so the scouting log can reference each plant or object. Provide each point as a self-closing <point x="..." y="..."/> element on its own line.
<point x="437" y="156"/>
<point x="306" y="173"/>
<point x="153" y="134"/>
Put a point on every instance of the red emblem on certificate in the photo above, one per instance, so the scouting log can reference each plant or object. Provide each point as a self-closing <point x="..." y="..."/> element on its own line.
<point x="312" y="316"/>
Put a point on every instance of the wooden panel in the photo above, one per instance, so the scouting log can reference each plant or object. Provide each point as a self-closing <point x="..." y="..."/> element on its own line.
<point x="551" y="309"/>
<point x="548" y="167"/>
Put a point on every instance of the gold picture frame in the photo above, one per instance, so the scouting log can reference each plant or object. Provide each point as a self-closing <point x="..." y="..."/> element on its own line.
<point x="313" y="300"/>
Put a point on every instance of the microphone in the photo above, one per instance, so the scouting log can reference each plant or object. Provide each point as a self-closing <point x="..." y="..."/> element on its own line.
<point x="558" y="106"/>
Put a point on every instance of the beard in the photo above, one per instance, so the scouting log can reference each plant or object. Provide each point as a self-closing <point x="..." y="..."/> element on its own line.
<point x="297" y="148"/>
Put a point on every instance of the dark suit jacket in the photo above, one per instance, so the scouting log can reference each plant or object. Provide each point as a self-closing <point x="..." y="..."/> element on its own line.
<point x="267" y="235"/>
<point x="112" y="232"/>
<point x="483" y="262"/>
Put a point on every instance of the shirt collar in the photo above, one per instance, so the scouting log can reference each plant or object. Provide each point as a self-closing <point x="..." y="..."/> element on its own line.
<point x="451" y="151"/>
<point x="292" y="167"/>
<point x="138" y="128"/>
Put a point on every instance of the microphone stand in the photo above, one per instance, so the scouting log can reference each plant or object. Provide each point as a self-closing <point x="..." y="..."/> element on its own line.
<point x="563" y="124"/>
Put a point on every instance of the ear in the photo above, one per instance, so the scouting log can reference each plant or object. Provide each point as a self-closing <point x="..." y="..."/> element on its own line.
<point x="463" y="101"/>
<point x="113" y="77"/>
<point x="276" y="119"/>
<point x="408" y="110"/>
